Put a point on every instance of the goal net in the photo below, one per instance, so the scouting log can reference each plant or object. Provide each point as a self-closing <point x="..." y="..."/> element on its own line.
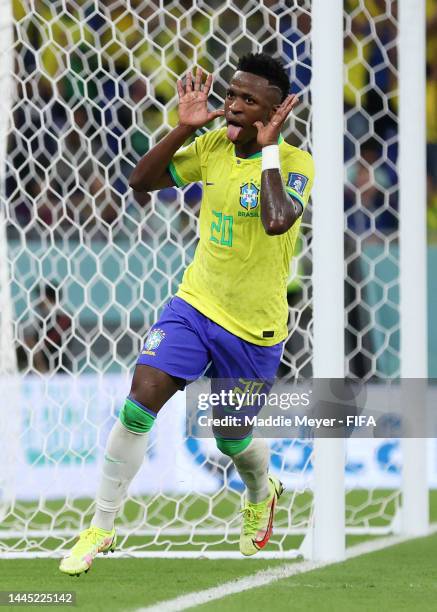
<point x="87" y="267"/>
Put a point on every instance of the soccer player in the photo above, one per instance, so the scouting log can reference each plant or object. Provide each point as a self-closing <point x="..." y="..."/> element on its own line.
<point x="230" y="311"/>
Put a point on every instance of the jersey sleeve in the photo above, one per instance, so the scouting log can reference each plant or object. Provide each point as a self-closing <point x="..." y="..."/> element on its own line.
<point x="185" y="167"/>
<point x="299" y="177"/>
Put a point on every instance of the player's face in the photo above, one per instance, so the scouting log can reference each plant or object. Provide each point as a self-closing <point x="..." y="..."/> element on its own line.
<point x="249" y="98"/>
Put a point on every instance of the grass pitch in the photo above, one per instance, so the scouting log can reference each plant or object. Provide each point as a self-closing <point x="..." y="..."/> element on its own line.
<point x="402" y="577"/>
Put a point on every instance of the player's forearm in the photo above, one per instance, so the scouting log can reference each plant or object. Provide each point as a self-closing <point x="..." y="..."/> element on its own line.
<point x="277" y="211"/>
<point x="152" y="167"/>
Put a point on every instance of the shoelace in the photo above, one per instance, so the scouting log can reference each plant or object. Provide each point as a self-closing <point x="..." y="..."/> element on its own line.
<point x="90" y="536"/>
<point x="250" y="519"/>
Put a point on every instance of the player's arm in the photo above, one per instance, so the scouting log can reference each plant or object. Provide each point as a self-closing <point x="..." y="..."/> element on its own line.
<point x="279" y="210"/>
<point x="151" y="171"/>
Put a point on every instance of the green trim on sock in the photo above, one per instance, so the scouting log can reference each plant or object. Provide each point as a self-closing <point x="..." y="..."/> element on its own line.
<point x="232" y="447"/>
<point x="135" y="419"/>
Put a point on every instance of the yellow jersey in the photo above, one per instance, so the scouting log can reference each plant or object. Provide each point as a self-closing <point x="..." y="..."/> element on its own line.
<point x="238" y="277"/>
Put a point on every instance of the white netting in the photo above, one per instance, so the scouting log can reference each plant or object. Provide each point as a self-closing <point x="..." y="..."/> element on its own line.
<point x="90" y="267"/>
<point x="371" y="235"/>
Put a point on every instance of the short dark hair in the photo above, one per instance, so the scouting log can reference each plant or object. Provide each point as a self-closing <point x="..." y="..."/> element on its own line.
<point x="267" y="67"/>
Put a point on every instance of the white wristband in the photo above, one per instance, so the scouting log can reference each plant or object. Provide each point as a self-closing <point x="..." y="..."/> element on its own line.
<point x="270" y="157"/>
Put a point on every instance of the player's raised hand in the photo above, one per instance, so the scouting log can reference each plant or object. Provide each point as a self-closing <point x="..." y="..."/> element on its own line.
<point x="268" y="134"/>
<point x="193" y="101"/>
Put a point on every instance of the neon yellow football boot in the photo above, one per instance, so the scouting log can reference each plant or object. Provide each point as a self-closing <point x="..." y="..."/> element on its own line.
<point x="91" y="542"/>
<point x="258" y="520"/>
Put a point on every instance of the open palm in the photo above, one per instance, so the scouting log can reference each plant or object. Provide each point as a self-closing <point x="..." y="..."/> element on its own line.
<point x="268" y="134"/>
<point x="193" y="102"/>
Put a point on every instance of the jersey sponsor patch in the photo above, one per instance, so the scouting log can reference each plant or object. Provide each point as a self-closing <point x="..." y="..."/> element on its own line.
<point x="297" y="182"/>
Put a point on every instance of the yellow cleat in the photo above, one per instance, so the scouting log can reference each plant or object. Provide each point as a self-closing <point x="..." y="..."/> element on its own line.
<point x="91" y="542"/>
<point x="257" y="524"/>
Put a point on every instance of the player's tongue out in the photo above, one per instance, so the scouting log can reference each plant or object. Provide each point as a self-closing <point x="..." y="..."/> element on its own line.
<point x="233" y="131"/>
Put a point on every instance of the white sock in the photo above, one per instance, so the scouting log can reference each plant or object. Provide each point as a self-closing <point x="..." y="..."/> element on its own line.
<point x="124" y="455"/>
<point x="252" y="465"/>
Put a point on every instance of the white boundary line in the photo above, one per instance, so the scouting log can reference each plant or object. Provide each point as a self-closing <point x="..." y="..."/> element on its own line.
<point x="158" y="554"/>
<point x="261" y="578"/>
<point x="264" y="577"/>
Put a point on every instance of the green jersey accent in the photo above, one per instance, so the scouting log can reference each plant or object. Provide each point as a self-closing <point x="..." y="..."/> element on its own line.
<point x="238" y="277"/>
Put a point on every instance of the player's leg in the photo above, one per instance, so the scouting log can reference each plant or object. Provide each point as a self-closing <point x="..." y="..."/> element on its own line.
<point x="172" y="354"/>
<point x="127" y="443"/>
<point x="124" y="455"/>
<point x="253" y="369"/>
<point x="251" y="459"/>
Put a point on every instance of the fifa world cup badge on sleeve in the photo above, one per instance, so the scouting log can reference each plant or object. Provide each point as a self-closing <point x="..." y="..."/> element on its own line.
<point x="297" y="182"/>
<point x="153" y="340"/>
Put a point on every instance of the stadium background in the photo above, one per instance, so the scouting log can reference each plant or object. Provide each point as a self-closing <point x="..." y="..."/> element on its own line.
<point x="90" y="266"/>
<point x="95" y="88"/>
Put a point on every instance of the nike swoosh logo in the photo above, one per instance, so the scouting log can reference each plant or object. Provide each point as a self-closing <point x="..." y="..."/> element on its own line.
<point x="261" y="543"/>
<point x="209" y="183"/>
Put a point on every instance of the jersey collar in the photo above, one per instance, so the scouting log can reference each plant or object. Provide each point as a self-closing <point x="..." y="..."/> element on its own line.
<point x="259" y="154"/>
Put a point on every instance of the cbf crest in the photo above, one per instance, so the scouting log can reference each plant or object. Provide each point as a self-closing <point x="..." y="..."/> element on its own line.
<point x="153" y="340"/>
<point x="249" y="196"/>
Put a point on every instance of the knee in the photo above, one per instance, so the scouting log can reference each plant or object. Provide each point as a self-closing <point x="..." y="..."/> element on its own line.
<point x="233" y="447"/>
<point x="136" y="417"/>
<point x="153" y="388"/>
<point x="144" y="388"/>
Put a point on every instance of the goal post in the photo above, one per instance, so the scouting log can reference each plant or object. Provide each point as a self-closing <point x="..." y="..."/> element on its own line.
<point x="8" y="367"/>
<point x="7" y="351"/>
<point x="328" y="265"/>
<point x="413" y="257"/>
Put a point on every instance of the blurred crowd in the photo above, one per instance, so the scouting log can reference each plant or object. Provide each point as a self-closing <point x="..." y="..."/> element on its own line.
<point x="45" y="343"/>
<point x="431" y="116"/>
<point x="371" y="107"/>
<point x="93" y="92"/>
